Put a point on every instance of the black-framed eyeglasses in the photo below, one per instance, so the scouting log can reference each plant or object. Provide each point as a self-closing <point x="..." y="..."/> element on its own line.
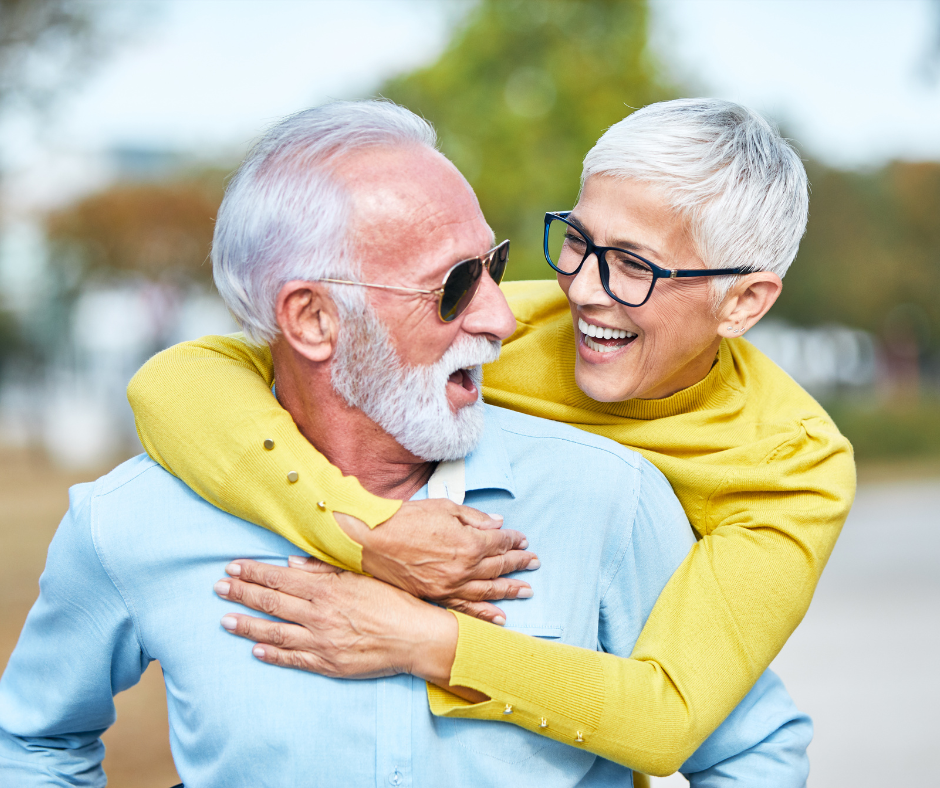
<point x="627" y="278"/>
<point x="460" y="283"/>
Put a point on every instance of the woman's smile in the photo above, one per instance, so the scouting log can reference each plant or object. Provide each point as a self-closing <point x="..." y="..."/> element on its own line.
<point x="603" y="339"/>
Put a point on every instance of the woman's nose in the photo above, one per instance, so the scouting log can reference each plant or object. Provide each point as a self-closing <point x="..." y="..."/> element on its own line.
<point x="586" y="288"/>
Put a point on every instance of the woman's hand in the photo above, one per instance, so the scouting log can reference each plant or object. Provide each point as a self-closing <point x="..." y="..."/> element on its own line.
<point x="446" y="553"/>
<point x="346" y="625"/>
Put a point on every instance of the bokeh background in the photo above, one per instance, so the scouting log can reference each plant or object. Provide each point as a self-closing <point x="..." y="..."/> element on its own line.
<point x="120" y="121"/>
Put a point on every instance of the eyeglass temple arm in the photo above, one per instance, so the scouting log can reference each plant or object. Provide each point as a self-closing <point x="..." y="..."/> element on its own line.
<point x="685" y="273"/>
<point x="382" y="287"/>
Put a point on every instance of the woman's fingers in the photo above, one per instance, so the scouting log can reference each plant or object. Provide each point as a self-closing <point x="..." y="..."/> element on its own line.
<point x="261" y="630"/>
<point x="481" y="610"/>
<point x="292" y="603"/>
<point x="489" y="590"/>
<point x="278" y="643"/>
<point x="286" y="658"/>
<point x="477" y="519"/>
<point x="313" y="565"/>
<point x="301" y="581"/>
<point x="498" y="565"/>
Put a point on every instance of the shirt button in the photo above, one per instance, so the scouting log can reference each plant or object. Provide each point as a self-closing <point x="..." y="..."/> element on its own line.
<point x="396" y="777"/>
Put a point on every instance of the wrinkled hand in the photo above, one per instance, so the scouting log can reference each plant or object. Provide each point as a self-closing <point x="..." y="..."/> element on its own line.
<point x="347" y="625"/>
<point x="450" y="554"/>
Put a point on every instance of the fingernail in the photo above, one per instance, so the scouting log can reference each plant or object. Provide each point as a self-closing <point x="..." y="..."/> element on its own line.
<point x="234" y="569"/>
<point x="229" y="622"/>
<point x="222" y="587"/>
<point x="534" y="564"/>
<point x="495" y="516"/>
<point x="523" y="544"/>
<point x="499" y="621"/>
<point x="258" y="651"/>
<point x="296" y="560"/>
<point x="524" y="593"/>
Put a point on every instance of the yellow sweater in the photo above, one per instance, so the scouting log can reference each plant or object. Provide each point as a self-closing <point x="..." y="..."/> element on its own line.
<point x="762" y="472"/>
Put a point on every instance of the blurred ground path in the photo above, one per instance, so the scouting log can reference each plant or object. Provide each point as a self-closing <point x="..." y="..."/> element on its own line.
<point x="863" y="663"/>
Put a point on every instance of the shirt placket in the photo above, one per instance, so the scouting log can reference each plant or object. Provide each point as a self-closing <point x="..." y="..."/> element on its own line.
<point x="393" y="756"/>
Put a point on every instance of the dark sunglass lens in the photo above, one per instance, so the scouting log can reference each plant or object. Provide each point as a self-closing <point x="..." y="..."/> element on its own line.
<point x="499" y="261"/>
<point x="460" y="287"/>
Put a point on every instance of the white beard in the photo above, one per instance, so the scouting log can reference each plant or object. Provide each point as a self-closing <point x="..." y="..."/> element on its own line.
<point x="410" y="403"/>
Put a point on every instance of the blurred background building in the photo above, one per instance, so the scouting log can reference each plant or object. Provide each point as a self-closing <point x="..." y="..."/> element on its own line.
<point x="120" y="121"/>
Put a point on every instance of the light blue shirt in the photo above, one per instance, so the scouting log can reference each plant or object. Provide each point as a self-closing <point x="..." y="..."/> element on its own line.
<point x="129" y="579"/>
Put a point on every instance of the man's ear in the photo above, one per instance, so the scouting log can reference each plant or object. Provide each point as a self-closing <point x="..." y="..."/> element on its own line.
<point x="308" y="319"/>
<point x="747" y="302"/>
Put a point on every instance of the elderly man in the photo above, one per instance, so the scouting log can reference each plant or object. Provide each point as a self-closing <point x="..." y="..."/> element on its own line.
<point x="359" y="254"/>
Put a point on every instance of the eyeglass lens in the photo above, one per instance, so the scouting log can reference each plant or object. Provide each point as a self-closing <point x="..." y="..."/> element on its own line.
<point x="461" y="285"/>
<point x="630" y="279"/>
<point x="464" y="281"/>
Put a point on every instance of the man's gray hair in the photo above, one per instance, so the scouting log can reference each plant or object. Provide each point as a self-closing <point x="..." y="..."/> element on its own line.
<point x="725" y="168"/>
<point x="285" y="214"/>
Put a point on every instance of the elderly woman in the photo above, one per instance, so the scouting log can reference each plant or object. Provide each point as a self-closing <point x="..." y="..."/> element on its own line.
<point x="690" y="213"/>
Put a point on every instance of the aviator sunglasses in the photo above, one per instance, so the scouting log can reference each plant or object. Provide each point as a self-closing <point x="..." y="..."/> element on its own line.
<point x="460" y="283"/>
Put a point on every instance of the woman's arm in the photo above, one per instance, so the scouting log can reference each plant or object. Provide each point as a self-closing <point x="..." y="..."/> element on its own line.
<point x="204" y="410"/>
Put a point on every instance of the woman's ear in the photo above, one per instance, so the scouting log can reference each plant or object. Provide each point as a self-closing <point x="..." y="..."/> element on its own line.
<point x="747" y="302"/>
<point x="308" y="319"/>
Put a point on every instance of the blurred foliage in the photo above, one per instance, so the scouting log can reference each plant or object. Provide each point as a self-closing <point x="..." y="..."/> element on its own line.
<point x="880" y="430"/>
<point x="47" y="45"/>
<point x="521" y="94"/>
<point x="159" y="230"/>
<point x="871" y="254"/>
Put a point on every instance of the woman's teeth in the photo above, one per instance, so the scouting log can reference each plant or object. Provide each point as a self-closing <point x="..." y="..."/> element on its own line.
<point x="598" y="332"/>
<point x="603" y="333"/>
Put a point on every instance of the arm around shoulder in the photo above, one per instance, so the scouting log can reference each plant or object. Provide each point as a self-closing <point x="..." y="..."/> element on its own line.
<point x="204" y="410"/>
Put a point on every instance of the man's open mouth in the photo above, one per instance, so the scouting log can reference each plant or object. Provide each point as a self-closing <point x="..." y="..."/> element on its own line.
<point x="604" y="340"/>
<point x="462" y="378"/>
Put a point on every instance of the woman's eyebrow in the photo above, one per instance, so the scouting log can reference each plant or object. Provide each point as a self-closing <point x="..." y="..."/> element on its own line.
<point x="630" y="246"/>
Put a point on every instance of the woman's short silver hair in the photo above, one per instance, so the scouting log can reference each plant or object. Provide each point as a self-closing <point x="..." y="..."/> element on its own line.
<point x="285" y="214"/>
<point x="725" y="168"/>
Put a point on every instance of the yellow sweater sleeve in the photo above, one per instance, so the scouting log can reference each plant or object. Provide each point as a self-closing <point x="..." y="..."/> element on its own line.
<point x="204" y="410"/>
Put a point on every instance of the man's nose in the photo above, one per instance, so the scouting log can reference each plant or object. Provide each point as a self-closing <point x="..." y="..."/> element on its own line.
<point x="489" y="313"/>
<point x="586" y="288"/>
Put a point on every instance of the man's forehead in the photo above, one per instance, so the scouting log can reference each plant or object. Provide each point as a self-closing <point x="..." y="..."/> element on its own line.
<point x="408" y="202"/>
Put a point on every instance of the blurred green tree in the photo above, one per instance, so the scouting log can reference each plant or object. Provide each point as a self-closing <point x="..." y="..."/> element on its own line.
<point x="871" y="254"/>
<point x="521" y="94"/>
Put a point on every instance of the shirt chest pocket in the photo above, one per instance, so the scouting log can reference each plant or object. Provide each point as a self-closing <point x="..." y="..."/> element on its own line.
<point x="503" y="741"/>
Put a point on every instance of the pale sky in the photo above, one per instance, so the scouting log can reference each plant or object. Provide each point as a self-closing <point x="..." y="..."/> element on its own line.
<point x="844" y="77"/>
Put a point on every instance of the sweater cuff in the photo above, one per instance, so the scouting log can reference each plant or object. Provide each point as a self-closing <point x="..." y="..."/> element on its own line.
<point x="532" y="682"/>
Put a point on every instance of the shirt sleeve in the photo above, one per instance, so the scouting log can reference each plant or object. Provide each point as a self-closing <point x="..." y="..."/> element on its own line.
<point x="204" y="411"/>
<point x="762" y="742"/>
<point x="78" y="648"/>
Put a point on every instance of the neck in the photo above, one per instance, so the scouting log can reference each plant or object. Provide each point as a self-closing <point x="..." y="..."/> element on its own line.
<point x="345" y="436"/>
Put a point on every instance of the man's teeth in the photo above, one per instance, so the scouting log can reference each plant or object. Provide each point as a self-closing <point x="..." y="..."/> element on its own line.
<point x="602" y="333"/>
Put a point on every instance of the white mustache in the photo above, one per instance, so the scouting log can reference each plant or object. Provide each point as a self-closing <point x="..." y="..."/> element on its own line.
<point x="469" y="353"/>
